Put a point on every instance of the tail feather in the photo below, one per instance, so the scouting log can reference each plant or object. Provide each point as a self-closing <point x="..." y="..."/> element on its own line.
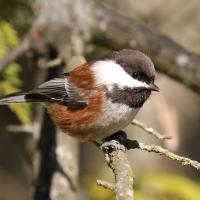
<point x="13" y="98"/>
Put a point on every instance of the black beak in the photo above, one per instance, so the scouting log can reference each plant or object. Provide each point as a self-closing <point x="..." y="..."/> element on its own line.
<point x="154" y="87"/>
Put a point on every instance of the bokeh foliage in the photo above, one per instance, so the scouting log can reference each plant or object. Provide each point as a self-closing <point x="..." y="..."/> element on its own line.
<point x="17" y="12"/>
<point x="10" y="79"/>
<point x="166" y="186"/>
<point x="152" y="186"/>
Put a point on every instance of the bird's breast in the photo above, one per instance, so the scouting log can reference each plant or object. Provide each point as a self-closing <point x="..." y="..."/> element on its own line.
<point x="98" y="120"/>
<point x="115" y="116"/>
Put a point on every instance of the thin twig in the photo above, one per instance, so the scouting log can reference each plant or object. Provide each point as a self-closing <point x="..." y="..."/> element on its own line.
<point x="27" y="128"/>
<point x="53" y="63"/>
<point x="150" y="130"/>
<point x="133" y="144"/>
<point x="162" y="151"/>
<point x="106" y="185"/>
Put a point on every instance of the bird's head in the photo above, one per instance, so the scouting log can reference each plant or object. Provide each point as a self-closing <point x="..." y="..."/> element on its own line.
<point x="127" y="75"/>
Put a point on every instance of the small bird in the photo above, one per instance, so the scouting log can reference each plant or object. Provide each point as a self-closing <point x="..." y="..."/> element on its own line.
<point x="98" y="98"/>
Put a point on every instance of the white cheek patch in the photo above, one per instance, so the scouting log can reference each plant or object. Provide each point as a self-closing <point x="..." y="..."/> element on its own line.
<point x="109" y="73"/>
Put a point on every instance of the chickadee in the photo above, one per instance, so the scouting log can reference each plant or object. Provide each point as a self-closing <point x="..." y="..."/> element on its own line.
<point x="98" y="98"/>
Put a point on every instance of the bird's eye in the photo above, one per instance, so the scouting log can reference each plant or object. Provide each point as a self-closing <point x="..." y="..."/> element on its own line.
<point x="135" y="74"/>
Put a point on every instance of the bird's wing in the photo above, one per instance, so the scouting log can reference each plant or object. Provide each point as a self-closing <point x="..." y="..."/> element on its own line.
<point x="58" y="90"/>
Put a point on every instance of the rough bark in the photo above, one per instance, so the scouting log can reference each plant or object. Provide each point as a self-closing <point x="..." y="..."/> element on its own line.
<point x="116" y="158"/>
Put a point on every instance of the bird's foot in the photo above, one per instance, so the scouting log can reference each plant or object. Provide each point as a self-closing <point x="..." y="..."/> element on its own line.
<point x="117" y="140"/>
<point x="121" y="138"/>
<point x="112" y="144"/>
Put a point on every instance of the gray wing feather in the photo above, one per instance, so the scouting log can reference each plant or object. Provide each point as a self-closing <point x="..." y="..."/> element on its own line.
<point x="58" y="90"/>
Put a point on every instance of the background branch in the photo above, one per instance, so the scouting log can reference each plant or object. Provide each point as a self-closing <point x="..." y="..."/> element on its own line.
<point x="116" y="31"/>
<point x="16" y="53"/>
<point x="106" y="27"/>
<point x="149" y="130"/>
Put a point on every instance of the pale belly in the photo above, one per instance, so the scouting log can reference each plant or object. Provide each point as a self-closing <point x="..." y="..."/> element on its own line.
<point x="116" y="117"/>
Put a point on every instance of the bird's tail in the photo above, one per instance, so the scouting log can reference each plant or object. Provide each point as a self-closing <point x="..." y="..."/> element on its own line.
<point x="13" y="98"/>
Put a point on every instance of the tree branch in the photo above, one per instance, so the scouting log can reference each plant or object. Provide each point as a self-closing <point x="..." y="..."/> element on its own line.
<point x="110" y="29"/>
<point x="106" y="185"/>
<point x="133" y="144"/>
<point x="114" y="149"/>
<point x="116" y="158"/>
<point x="15" y="53"/>
<point x="160" y="150"/>
<point x="117" y="31"/>
<point x="149" y="130"/>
